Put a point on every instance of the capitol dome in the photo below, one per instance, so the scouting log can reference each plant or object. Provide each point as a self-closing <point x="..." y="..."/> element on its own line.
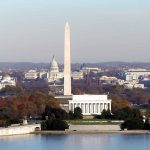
<point x="7" y="77"/>
<point x="54" y="66"/>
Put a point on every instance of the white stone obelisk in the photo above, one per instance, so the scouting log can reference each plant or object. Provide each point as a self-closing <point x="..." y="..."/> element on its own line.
<point x="67" y="61"/>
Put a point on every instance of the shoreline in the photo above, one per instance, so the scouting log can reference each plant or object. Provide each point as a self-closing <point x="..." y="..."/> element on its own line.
<point x="90" y="132"/>
<point x="46" y="132"/>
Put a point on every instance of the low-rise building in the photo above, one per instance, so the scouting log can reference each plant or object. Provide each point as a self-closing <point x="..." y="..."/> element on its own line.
<point x="77" y="75"/>
<point x="43" y="74"/>
<point x="7" y="81"/>
<point x="133" y="85"/>
<point x="108" y="80"/>
<point x="87" y="70"/>
<point x="90" y="104"/>
<point x="31" y="75"/>
<point x="135" y="74"/>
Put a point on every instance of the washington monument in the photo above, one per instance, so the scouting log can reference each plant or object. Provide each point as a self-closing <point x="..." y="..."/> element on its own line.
<point x="67" y="61"/>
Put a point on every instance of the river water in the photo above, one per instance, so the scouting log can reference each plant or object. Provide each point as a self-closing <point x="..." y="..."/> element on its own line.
<point x="76" y="142"/>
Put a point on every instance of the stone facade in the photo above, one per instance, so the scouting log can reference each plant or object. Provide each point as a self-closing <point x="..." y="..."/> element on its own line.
<point x="94" y="128"/>
<point x="15" y="130"/>
<point x="54" y="75"/>
<point x="67" y="62"/>
<point x="90" y="104"/>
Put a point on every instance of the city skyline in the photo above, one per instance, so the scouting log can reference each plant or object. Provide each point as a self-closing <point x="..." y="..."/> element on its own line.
<point x="32" y="31"/>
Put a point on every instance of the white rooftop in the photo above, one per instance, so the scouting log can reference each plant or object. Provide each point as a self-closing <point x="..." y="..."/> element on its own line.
<point x="89" y="97"/>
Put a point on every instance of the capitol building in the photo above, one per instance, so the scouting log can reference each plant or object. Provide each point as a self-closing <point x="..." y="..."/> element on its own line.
<point x="7" y="80"/>
<point x="54" y="76"/>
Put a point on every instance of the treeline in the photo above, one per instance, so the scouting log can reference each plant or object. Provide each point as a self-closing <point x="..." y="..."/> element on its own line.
<point x="24" y="104"/>
<point x="30" y="105"/>
<point x="132" y="117"/>
<point x="133" y="120"/>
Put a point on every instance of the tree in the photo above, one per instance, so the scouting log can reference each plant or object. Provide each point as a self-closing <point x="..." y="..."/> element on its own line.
<point x="58" y="113"/>
<point x="77" y="91"/>
<point x="78" y="113"/>
<point x="43" y="125"/>
<point x="3" y="123"/>
<point x="134" y="121"/>
<point x="133" y="124"/>
<point x="146" y="124"/>
<point x="26" y="104"/>
<point x="71" y="115"/>
<point x="54" y="124"/>
<point x="58" y="124"/>
<point x="123" y="113"/>
<point x="106" y="114"/>
<point x="119" y="103"/>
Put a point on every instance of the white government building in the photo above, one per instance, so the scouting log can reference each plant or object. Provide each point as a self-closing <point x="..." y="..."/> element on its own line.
<point x="135" y="74"/>
<point x="54" y="73"/>
<point x="7" y="81"/>
<point x="90" y="104"/>
<point x="31" y="75"/>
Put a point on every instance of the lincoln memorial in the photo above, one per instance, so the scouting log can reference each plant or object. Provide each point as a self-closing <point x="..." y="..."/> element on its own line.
<point x="90" y="104"/>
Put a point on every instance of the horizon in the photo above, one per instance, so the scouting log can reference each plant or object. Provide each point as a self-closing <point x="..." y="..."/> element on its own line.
<point x="101" y="31"/>
<point x="80" y="62"/>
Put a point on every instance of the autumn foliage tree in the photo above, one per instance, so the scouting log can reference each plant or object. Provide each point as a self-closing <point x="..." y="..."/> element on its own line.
<point x="25" y="104"/>
<point x="119" y="103"/>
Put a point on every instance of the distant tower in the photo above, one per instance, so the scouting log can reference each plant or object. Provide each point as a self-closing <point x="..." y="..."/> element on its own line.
<point x="67" y="61"/>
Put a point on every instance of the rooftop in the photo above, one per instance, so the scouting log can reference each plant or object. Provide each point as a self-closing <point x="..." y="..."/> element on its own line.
<point x="90" y="97"/>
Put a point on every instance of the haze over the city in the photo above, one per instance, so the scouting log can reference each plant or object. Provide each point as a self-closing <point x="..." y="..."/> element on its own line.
<point x="110" y="30"/>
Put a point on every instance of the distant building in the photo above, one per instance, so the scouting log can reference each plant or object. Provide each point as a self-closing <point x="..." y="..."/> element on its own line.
<point x="90" y="104"/>
<point x="54" y="75"/>
<point x="77" y="75"/>
<point x="135" y="74"/>
<point x="43" y="74"/>
<point x="87" y="70"/>
<point x="141" y="86"/>
<point x="133" y="85"/>
<point x="108" y="80"/>
<point x="7" y="81"/>
<point x="127" y="84"/>
<point x="31" y="75"/>
<point x="121" y="82"/>
<point x="1" y="77"/>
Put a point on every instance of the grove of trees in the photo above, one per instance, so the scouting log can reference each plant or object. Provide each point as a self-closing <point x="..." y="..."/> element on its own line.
<point x="24" y="104"/>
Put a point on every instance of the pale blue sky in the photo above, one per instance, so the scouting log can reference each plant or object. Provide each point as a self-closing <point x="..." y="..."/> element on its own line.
<point x="101" y="30"/>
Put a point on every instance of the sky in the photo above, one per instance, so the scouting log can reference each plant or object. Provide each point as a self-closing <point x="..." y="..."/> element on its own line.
<point x="101" y="30"/>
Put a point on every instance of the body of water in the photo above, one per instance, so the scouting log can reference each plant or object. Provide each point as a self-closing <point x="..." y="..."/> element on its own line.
<point x="76" y="142"/>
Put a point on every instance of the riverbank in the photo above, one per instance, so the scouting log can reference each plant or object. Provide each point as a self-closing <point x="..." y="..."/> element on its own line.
<point x="91" y="132"/>
<point x="19" y="129"/>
